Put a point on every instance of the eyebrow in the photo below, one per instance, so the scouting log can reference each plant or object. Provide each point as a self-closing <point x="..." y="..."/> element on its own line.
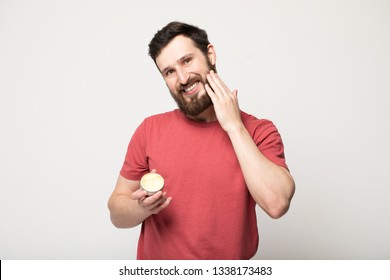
<point x="180" y="59"/>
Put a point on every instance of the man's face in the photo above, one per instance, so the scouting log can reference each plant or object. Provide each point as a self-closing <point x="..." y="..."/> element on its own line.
<point x="184" y="68"/>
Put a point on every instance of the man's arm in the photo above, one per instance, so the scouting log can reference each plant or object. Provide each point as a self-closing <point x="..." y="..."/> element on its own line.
<point x="129" y="205"/>
<point x="271" y="186"/>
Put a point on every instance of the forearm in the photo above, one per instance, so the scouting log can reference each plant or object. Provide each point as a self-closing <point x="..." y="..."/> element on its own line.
<point x="270" y="185"/>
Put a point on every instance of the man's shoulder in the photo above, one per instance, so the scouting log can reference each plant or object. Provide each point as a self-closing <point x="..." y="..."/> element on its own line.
<point x="252" y="120"/>
<point x="162" y="116"/>
<point x="161" y="119"/>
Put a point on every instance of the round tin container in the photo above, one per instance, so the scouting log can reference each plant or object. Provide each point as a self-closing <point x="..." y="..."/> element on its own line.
<point x="152" y="183"/>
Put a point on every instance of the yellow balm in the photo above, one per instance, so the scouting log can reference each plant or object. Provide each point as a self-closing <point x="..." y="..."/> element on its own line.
<point x="152" y="183"/>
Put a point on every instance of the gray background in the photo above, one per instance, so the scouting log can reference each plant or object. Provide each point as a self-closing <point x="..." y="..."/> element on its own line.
<point x="75" y="81"/>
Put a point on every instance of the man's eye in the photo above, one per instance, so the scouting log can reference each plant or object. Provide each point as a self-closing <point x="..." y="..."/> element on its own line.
<point x="169" y="72"/>
<point x="186" y="61"/>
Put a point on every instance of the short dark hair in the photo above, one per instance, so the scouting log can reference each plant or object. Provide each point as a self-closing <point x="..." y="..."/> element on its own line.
<point x="162" y="38"/>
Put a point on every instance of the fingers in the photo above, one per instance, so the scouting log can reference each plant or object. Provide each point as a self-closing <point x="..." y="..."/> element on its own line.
<point x="147" y="201"/>
<point x="165" y="204"/>
<point x="218" y="91"/>
<point x="225" y="102"/>
<point x="155" y="203"/>
<point x="218" y="86"/>
<point x="211" y="93"/>
<point x="138" y="194"/>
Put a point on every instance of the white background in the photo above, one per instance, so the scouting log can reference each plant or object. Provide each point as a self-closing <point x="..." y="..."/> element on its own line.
<point x="75" y="82"/>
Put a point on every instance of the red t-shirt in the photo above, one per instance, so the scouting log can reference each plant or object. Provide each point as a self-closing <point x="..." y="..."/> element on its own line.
<point x="211" y="215"/>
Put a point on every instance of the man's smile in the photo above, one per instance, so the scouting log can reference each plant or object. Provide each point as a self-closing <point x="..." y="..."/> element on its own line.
<point x="191" y="87"/>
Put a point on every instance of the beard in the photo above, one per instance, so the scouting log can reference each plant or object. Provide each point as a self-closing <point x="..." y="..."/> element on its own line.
<point x="195" y="105"/>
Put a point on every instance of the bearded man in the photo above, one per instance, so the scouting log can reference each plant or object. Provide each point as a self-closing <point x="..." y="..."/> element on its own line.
<point x="217" y="162"/>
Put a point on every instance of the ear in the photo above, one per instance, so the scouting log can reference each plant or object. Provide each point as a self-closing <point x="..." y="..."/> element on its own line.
<point x="211" y="54"/>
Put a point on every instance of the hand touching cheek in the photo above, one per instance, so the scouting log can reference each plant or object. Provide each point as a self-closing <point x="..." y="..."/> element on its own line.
<point x="225" y="102"/>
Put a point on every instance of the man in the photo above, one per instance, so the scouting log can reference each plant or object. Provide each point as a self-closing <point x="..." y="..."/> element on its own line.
<point x="217" y="161"/>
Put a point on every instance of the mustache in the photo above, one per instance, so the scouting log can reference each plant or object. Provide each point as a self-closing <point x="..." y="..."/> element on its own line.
<point x="191" y="80"/>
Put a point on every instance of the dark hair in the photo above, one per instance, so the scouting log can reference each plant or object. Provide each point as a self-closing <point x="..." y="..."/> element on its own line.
<point x="173" y="29"/>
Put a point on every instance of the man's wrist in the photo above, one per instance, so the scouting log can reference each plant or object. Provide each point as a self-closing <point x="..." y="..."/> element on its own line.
<point x="236" y="129"/>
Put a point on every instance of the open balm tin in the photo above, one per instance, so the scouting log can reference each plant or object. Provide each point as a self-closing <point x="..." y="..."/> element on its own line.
<point x="152" y="183"/>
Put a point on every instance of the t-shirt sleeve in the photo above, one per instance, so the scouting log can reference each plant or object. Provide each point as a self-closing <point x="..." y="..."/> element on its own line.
<point x="269" y="142"/>
<point x="136" y="163"/>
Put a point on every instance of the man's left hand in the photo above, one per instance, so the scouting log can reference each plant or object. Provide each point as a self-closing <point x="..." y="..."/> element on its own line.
<point x="225" y="102"/>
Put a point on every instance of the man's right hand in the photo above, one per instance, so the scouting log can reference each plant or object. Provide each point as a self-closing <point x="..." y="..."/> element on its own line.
<point x="154" y="203"/>
<point x="129" y="205"/>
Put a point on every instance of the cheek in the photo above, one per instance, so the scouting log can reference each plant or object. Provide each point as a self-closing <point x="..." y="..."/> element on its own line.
<point x="171" y="85"/>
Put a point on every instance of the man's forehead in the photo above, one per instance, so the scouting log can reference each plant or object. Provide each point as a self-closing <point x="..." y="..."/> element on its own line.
<point x="179" y="47"/>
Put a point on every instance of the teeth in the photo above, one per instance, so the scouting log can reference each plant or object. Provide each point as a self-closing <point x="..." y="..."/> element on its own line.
<point x="191" y="87"/>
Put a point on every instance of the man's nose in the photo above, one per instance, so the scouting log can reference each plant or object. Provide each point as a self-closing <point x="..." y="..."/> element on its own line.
<point x="183" y="76"/>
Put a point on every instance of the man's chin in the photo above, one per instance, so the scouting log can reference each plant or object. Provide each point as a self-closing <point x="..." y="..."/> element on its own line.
<point x="192" y="105"/>
<point x="195" y="110"/>
<point x="193" y="114"/>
